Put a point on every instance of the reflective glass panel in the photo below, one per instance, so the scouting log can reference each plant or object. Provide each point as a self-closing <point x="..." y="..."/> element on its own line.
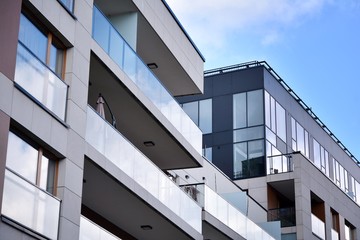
<point x="270" y="136"/>
<point x="239" y="110"/>
<point x="22" y="158"/>
<point x="246" y="134"/>
<point x="255" y="108"/>
<point x="280" y="122"/>
<point x="101" y="29"/>
<point x="205" y="116"/>
<point x="56" y="60"/>
<point x="300" y="138"/>
<point x="33" y="38"/>
<point x="207" y="152"/>
<point x="192" y="110"/>
<point x="273" y="114"/>
<point x="240" y="160"/>
<point x="267" y="110"/>
<point x="316" y="153"/>
<point x="256" y="149"/>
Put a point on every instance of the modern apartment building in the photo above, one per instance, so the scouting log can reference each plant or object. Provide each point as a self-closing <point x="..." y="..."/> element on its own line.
<point x="270" y="143"/>
<point x="90" y="130"/>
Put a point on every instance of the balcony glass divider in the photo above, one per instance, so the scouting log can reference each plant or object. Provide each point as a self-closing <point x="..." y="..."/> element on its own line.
<point x="117" y="149"/>
<point x="222" y="210"/>
<point x="110" y="40"/>
<point x="40" y="82"/>
<point x="90" y="230"/>
<point x="30" y="206"/>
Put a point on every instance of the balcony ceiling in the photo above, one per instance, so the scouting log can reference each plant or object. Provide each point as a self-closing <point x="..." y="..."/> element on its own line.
<point x="135" y="122"/>
<point x="286" y="188"/>
<point x="153" y="50"/>
<point x="110" y="199"/>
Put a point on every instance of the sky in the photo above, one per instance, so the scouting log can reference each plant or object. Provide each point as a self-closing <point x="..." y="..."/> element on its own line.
<point x="314" y="45"/>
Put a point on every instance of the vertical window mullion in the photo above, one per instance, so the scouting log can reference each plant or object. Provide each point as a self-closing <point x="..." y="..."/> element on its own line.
<point x="38" y="170"/>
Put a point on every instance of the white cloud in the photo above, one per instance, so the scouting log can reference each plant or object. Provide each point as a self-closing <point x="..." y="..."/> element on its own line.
<point x="211" y="22"/>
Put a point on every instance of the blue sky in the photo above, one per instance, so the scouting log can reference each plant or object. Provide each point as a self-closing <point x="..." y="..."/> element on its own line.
<point x="314" y="45"/>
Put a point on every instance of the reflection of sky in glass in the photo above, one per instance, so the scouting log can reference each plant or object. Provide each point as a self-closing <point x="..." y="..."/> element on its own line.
<point x="21" y="158"/>
<point x="40" y="82"/>
<point x="30" y="206"/>
<point x="147" y="175"/>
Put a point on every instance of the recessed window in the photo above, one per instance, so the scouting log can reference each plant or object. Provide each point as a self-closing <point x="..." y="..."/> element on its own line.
<point x="42" y="44"/>
<point x="31" y="163"/>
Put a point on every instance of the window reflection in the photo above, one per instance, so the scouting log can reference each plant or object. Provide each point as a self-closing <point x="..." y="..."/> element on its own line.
<point x="30" y="163"/>
<point x="201" y="114"/>
<point x="248" y="109"/>
<point x="22" y="158"/>
<point x="275" y="117"/>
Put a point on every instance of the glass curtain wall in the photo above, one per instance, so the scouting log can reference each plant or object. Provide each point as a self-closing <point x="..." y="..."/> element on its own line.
<point x="248" y="135"/>
<point x="275" y="121"/>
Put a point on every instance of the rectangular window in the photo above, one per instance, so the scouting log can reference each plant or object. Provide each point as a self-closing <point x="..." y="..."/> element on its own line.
<point x="357" y="192"/>
<point x="240" y="160"/>
<point x="307" y="151"/>
<point x="300" y="138"/>
<point x="192" y="109"/>
<point x="280" y="122"/>
<point x="267" y="110"/>
<point x="349" y="231"/>
<point x="246" y="134"/>
<point x="293" y="134"/>
<point x="31" y="163"/>
<point x="201" y="114"/>
<point x="205" y="115"/>
<point x="43" y="45"/>
<point x="207" y="153"/>
<point x="317" y="158"/>
<point x="255" y="108"/>
<point x="248" y="109"/>
<point x="239" y="110"/>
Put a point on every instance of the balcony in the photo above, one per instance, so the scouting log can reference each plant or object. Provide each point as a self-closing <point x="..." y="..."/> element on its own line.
<point x="317" y="227"/>
<point x="40" y="83"/>
<point x="279" y="164"/>
<point x="132" y="65"/>
<point x="286" y="216"/>
<point x="90" y="230"/>
<point x="30" y="207"/>
<point x="230" y="216"/>
<point x="126" y="157"/>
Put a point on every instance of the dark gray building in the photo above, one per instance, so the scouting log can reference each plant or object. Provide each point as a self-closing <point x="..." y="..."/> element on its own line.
<point x="265" y="138"/>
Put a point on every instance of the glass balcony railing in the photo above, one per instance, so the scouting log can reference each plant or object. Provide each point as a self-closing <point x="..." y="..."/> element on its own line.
<point x="115" y="147"/>
<point x="30" y="206"/>
<point x="127" y="59"/>
<point x="279" y="164"/>
<point x="317" y="227"/>
<point x="90" y="230"/>
<point x="286" y="216"/>
<point x="225" y="212"/>
<point x="40" y="82"/>
<point x="334" y="234"/>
